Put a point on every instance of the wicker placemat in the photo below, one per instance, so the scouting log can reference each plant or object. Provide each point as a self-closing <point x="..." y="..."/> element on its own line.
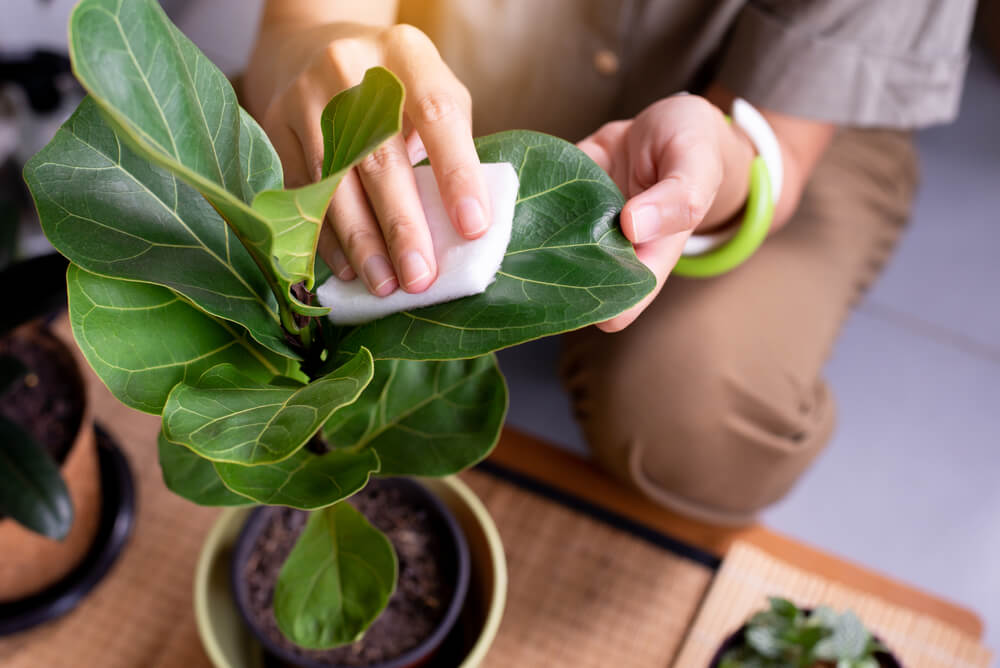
<point x="748" y="576"/>
<point x="583" y="593"/>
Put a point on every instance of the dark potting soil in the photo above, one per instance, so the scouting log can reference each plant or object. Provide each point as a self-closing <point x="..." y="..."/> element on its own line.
<point x="414" y="610"/>
<point x="45" y="401"/>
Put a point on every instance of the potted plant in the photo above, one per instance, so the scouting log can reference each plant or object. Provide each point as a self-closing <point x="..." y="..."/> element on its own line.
<point x="786" y="636"/>
<point x="190" y="294"/>
<point x="50" y="499"/>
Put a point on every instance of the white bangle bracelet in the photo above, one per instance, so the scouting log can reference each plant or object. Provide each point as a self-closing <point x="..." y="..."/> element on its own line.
<point x="753" y="123"/>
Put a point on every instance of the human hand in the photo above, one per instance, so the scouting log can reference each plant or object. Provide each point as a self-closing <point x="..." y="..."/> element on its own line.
<point x="375" y="227"/>
<point x="681" y="166"/>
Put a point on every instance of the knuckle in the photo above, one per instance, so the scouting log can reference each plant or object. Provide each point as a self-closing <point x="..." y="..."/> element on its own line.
<point x="696" y="204"/>
<point x="382" y="160"/>
<point x="457" y="176"/>
<point x="438" y="107"/>
<point x="357" y="239"/>
<point x="405" y="36"/>
<point x="400" y="229"/>
<point x="342" y="59"/>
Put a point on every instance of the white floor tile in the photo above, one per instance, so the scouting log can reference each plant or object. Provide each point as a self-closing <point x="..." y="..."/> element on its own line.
<point x="909" y="484"/>
<point x="947" y="269"/>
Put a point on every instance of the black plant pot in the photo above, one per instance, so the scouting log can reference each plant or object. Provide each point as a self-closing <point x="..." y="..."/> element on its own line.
<point x="454" y="562"/>
<point x="737" y="639"/>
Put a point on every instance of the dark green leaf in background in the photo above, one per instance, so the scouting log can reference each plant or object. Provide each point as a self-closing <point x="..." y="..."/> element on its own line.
<point x="337" y="580"/>
<point x="226" y="416"/>
<point x="304" y="480"/>
<point x="568" y="265"/>
<point x="425" y="418"/>
<point x="193" y="477"/>
<point x="113" y="213"/>
<point x="142" y="339"/>
<point x="32" y="492"/>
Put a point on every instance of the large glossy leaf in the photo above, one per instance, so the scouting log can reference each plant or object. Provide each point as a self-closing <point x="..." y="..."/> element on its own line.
<point x="304" y="480"/>
<point x="337" y="580"/>
<point x="114" y="213"/>
<point x="143" y="339"/>
<point x="226" y="416"/>
<point x="193" y="477"/>
<point x="425" y="418"/>
<point x="31" y="490"/>
<point x="567" y="266"/>
<point x="181" y="112"/>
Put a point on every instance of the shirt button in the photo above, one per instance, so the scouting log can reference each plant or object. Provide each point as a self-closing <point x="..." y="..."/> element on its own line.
<point x="606" y="62"/>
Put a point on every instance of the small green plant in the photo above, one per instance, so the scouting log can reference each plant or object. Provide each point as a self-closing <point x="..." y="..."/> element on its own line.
<point x="190" y="296"/>
<point x="32" y="491"/>
<point x="786" y="636"/>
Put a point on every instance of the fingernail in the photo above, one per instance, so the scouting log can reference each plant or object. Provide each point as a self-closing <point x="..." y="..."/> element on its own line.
<point x="341" y="268"/>
<point x="471" y="218"/>
<point x="414" y="268"/>
<point x="379" y="276"/>
<point x="646" y="223"/>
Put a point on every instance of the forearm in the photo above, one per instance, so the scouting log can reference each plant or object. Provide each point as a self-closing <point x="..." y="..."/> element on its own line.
<point x="802" y="143"/>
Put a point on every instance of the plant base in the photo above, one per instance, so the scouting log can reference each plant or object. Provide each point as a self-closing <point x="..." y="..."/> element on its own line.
<point x="230" y="644"/>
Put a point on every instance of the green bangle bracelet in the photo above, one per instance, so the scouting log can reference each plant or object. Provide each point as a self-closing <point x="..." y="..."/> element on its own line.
<point x="753" y="230"/>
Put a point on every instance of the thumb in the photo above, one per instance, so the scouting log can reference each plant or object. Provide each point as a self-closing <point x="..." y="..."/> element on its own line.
<point x="660" y="256"/>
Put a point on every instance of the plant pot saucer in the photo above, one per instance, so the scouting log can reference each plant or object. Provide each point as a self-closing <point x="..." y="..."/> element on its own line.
<point x="114" y="528"/>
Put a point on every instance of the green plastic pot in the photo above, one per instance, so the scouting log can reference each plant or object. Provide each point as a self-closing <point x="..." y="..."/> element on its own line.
<point x="230" y="644"/>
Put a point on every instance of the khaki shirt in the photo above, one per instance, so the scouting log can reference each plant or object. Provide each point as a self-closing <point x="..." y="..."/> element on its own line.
<point x="567" y="66"/>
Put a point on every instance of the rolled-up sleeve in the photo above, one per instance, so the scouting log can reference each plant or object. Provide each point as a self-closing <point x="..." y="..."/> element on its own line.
<point x="888" y="63"/>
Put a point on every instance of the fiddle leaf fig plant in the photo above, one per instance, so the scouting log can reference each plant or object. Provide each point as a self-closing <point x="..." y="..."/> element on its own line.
<point x="190" y="295"/>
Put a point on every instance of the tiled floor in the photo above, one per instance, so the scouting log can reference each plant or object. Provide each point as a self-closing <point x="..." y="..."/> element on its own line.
<point x="910" y="484"/>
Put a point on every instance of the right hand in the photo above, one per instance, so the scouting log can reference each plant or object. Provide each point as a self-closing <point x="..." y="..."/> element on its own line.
<point x="375" y="227"/>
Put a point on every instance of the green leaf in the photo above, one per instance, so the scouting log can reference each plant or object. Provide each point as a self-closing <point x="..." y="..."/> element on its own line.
<point x="849" y="640"/>
<point x="114" y="213"/>
<point x="226" y="416"/>
<point x="193" y="477"/>
<point x="783" y="608"/>
<point x="567" y="266"/>
<point x="337" y="580"/>
<point x="304" y="480"/>
<point x="143" y="339"/>
<point x="33" y="493"/>
<point x="11" y="370"/>
<point x="180" y="111"/>
<point x="425" y="418"/>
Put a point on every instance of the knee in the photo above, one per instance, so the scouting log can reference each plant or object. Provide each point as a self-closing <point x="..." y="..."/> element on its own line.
<point x="708" y="434"/>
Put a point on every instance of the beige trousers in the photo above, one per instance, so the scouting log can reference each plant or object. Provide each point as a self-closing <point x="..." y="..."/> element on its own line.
<point x="713" y="403"/>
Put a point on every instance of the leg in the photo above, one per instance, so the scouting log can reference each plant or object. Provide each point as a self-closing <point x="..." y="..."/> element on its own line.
<point x="712" y="402"/>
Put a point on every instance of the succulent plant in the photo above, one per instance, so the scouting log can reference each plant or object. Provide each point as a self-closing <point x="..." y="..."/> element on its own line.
<point x="786" y="636"/>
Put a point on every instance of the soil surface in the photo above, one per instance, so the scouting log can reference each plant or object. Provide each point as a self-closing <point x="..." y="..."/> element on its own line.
<point x="415" y="609"/>
<point x="46" y="400"/>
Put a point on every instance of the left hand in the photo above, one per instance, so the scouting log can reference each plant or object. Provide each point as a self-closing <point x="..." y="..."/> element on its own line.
<point x="681" y="166"/>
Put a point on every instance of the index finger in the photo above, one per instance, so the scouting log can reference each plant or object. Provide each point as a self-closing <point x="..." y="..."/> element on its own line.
<point x="440" y="109"/>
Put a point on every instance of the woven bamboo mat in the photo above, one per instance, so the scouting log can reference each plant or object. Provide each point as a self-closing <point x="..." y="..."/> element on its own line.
<point x="748" y="576"/>
<point x="584" y="594"/>
<point x="131" y="618"/>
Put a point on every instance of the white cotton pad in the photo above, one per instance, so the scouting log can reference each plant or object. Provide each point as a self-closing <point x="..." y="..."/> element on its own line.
<point x="464" y="267"/>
